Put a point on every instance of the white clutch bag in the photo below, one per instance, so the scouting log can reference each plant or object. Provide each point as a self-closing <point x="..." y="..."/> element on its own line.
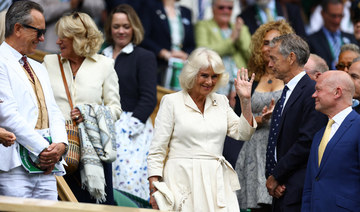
<point x="163" y="197"/>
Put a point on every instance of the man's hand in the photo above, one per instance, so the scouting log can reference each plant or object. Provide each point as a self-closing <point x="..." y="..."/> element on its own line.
<point x="6" y="138"/>
<point x="50" y="156"/>
<point x="279" y="191"/>
<point x="271" y="184"/>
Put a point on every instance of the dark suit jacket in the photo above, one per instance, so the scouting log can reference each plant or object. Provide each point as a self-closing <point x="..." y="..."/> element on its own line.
<point x="250" y="17"/>
<point x="335" y="185"/>
<point x="157" y="30"/>
<point x="357" y="109"/>
<point x="137" y="81"/>
<point x="299" y="123"/>
<point x="319" y="45"/>
<point x="138" y="5"/>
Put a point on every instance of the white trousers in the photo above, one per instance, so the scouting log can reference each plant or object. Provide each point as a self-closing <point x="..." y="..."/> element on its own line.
<point x="19" y="183"/>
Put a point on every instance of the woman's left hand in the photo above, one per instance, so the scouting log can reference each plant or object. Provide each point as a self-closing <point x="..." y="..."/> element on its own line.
<point x="76" y="115"/>
<point x="243" y="84"/>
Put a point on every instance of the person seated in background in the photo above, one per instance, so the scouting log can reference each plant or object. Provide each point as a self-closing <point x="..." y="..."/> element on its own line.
<point x="136" y="70"/>
<point x="91" y="79"/>
<point x="263" y="11"/>
<point x="6" y="138"/>
<point x="168" y="33"/>
<point x="316" y="21"/>
<point x="230" y="41"/>
<point x="348" y="53"/>
<point x="202" y="9"/>
<point x="328" y="40"/>
<point x="315" y="66"/>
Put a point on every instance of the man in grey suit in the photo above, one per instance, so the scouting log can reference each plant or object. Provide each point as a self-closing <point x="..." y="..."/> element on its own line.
<point x="28" y="109"/>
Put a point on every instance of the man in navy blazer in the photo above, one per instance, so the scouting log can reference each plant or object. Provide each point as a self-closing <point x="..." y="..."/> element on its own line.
<point x="333" y="180"/>
<point x="297" y="125"/>
<point x="321" y="42"/>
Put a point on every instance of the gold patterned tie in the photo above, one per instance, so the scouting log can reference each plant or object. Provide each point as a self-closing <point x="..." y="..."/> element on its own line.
<point x="325" y="139"/>
<point x="269" y="16"/>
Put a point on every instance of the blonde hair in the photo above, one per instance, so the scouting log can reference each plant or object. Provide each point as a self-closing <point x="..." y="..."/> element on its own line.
<point x="202" y="58"/>
<point x="80" y="27"/>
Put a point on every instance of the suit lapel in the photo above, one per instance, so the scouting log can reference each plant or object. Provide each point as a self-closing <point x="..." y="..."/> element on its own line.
<point x="164" y="20"/>
<point x="345" y="125"/>
<point x="324" y="42"/>
<point x="189" y="102"/>
<point x="293" y="97"/>
<point x="18" y="70"/>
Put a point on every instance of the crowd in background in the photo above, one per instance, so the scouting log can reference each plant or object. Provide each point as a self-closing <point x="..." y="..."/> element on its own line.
<point x="113" y="54"/>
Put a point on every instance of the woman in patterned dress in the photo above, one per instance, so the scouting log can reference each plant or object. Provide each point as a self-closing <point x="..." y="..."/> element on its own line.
<point x="136" y="70"/>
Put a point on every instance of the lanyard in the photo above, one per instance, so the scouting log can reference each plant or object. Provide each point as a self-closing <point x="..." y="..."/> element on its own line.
<point x="258" y="15"/>
<point x="176" y="46"/>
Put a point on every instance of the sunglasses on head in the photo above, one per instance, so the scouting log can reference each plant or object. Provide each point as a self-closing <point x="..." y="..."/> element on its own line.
<point x="40" y="32"/>
<point x="224" y="7"/>
<point x="75" y="16"/>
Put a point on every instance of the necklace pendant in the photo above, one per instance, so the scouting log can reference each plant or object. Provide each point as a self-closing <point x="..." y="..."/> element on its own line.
<point x="269" y="81"/>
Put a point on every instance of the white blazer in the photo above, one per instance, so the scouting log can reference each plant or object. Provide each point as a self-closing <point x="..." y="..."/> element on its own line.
<point x="19" y="110"/>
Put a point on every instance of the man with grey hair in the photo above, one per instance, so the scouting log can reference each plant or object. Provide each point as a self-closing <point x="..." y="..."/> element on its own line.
<point x="28" y="109"/>
<point x="315" y="66"/>
<point x="293" y="124"/>
<point x="328" y="40"/>
<point x="333" y="172"/>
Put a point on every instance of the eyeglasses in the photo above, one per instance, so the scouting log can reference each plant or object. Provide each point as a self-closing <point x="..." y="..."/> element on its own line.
<point x="342" y="66"/>
<point x="221" y="7"/>
<point x="333" y="16"/>
<point x="40" y="32"/>
<point x="75" y="16"/>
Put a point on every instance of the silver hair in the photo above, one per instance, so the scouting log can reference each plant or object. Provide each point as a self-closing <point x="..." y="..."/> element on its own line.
<point x="350" y="47"/>
<point x="202" y="58"/>
<point x="292" y="43"/>
<point x="320" y="64"/>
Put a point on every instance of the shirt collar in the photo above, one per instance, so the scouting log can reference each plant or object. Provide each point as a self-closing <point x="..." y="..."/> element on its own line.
<point x="94" y="57"/>
<point x="16" y="54"/>
<point x="337" y="33"/>
<point x="339" y="118"/>
<point x="294" y="81"/>
<point x="128" y="48"/>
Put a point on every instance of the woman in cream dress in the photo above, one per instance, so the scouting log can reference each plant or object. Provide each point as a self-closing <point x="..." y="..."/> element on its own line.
<point x="91" y="79"/>
<point x="191" y="126"/>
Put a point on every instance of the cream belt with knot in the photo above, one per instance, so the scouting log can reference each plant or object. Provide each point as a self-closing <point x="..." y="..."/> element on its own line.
<point x="222" y="165"/>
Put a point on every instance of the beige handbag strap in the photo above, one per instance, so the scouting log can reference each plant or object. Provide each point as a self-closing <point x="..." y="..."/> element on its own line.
<point x="66" y="85"/>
